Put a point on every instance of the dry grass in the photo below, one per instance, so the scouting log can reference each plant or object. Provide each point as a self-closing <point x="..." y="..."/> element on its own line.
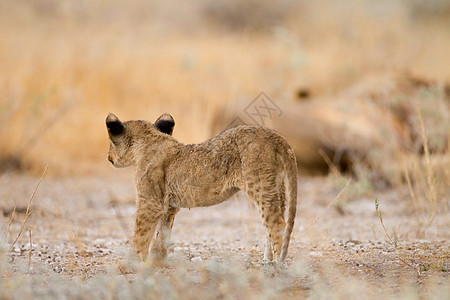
<point x="234" y="279"/>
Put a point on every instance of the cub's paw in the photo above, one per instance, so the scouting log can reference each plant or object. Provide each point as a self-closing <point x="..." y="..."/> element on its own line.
<point x="159" y="260"/>
<point x="127" y="268"/>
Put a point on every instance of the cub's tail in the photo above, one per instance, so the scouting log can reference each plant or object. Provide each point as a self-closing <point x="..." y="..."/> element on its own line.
<point x="290" y="165"/>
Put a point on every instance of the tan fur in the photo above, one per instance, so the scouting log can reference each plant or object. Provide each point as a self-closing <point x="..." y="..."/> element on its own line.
<point x="171" y="175"/>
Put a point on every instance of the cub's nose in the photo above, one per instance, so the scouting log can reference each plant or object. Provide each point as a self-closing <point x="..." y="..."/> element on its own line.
<point x="110" y="159"/>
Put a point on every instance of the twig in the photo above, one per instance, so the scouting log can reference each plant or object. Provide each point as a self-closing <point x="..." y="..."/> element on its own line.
<point x="382" y="224"/>
<point x="429" y="171"/>
<point x="11" y="220"/>
<point x="330" y="164"/>
<point x="45" y="126"/>
<point x="119" y="216"/>
<point x="31" y="248"/>
<point x="331" y="203"/>
<point x="410" y="189"/>
<point x="414" y="201"/>
<point x="28" y="212"/>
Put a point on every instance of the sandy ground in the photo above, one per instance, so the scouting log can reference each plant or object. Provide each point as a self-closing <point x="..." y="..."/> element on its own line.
<point x="82" y="226"/>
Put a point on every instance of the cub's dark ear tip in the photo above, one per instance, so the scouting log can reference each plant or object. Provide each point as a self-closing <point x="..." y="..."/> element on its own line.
<point x="166" y="117"/>
<point x="165" y="124"/>
<point x="111" y="118"/>
<point x="115" y="127"/>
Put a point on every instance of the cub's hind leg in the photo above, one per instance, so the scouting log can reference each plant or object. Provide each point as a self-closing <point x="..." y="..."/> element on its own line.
<point x="274" y="222"/>
<point x="271" y="204"/>
<point x="268" y="253"/>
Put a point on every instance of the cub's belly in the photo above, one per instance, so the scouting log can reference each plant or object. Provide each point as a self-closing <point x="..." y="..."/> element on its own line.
<point x="201" y="197"/>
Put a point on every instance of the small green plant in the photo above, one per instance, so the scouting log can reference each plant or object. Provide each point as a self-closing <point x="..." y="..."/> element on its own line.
<point x="425" y="267"/>
<point x="394" y="240"/>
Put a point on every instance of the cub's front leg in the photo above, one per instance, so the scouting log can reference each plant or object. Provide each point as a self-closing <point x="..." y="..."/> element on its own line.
<point x="148" y="214"/>
<point x="161" y="241"/>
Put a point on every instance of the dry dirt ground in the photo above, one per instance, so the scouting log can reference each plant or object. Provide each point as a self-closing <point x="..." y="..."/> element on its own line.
<point x="81" y="226"/>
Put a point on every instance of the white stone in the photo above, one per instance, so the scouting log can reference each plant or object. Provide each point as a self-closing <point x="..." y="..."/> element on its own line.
<point x="196" y="259"/>
<point x="99" y="242"/>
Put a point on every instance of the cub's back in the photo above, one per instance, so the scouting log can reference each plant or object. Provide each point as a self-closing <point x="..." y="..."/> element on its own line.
<point x="260" y="143"/>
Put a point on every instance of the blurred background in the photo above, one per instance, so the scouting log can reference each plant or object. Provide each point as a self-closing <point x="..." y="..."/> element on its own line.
<point x="373" y="76"/>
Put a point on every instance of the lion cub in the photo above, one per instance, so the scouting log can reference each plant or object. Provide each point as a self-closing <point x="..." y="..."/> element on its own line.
<point x="171" y="175"/>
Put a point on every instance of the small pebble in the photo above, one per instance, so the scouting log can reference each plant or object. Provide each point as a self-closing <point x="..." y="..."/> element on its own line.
<point x="315" y="254"/>
<point x="196" y="259"/>
<point x="99" y="241"/>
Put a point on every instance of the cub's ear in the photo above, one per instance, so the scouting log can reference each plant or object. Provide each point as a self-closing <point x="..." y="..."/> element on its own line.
<point x="165" y="124"/>
<point x="114" y="125"/>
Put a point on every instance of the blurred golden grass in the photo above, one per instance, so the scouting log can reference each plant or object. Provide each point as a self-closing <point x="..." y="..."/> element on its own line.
<point x="66" y="65"/>
<point x="132" y="83"/>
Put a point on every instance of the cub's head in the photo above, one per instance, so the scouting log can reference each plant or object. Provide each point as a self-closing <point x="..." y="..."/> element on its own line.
<point x="126" y="138"/>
